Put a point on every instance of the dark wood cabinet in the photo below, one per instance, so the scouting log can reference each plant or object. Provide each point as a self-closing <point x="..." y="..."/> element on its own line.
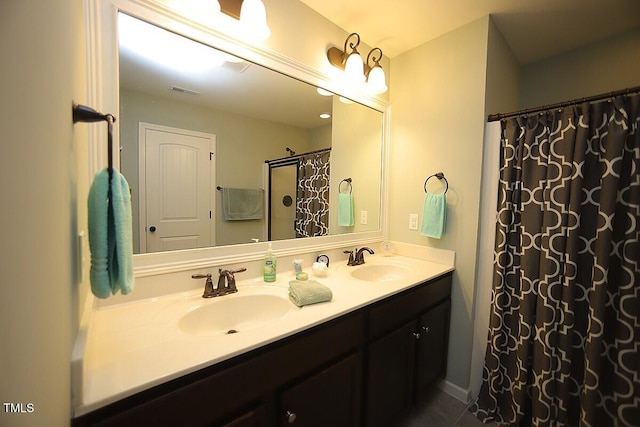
<point x="363" y="368"/>
<point x="406" y="358"/>
<point x="431" y="358"/>
<point x="389" y="373"/>
<point x="329" y="398"/>
<point x="256" y="417"/>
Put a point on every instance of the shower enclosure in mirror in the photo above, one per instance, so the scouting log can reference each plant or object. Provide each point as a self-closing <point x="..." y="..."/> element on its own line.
<point x="235" y="116"/>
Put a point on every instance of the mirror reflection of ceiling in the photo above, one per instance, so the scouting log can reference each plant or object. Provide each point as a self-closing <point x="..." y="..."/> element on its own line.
<point x="234" y="85"/>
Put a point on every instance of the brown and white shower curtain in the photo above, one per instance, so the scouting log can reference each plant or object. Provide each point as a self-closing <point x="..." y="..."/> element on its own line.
<point x="564" y="335"/>
<point x="312" y="201"/>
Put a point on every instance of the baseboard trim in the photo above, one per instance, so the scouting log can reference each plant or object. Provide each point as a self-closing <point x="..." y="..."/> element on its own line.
<point x="461" y="394"/>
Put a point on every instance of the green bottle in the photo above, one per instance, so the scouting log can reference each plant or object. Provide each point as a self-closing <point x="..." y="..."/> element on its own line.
<point x="269" y="266"/>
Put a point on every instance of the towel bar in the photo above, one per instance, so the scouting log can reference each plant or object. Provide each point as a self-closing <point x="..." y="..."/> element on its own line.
<point x="441" y="177"/>
<point x="82" y="113"/>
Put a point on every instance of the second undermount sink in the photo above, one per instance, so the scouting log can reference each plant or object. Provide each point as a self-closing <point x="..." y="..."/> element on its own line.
<point x="234" y="314"/>
<point x="380" y="272"/>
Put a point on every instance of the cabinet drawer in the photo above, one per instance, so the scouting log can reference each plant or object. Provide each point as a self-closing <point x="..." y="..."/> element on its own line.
<point x="399" y="309"/>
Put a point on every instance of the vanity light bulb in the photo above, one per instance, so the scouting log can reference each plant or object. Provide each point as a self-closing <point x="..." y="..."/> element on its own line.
<point x="253" y="19"/>
<point x="325" y="115"/>
<point x="354" y="68"/>
<point x="376" y="81"/>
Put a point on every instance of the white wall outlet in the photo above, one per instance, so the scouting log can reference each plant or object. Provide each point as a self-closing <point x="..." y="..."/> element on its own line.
<point x="364" y="217"/>
<point x="413" y="221"/>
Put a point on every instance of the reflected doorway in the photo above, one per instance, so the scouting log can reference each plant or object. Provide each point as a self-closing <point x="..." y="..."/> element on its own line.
<point x="299" y="195"/>
<point x="177" y="171"/>
<point x="282" y="202"/>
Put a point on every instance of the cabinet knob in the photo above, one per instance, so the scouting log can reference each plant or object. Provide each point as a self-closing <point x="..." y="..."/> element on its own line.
<point x="425" y="329"/>
<point x="291" y="417"/>
<point x="416" y="335"/>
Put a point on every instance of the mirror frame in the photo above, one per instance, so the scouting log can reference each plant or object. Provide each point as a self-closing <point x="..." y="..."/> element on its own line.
<point x="103" y="95"/>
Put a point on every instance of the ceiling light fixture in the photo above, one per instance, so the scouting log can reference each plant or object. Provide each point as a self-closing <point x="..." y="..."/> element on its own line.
<point x="324" y="92"/>
<point x="350" y="62"/>
<point x="376" y="79"/>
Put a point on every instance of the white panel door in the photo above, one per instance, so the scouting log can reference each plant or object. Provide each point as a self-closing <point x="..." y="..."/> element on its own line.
<point x="177" y="188"/>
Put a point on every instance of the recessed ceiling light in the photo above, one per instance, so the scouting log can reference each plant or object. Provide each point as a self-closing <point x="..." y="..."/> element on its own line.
<point x="324" y="92"/>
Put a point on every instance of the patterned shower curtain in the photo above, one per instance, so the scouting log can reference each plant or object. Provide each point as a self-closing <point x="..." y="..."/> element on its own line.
<point x="564" y="335"/>
<point x="312" y="201"/>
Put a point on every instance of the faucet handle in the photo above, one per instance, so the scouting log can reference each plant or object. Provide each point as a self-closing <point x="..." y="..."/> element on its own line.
<point x="231" y="285"/>
<point x="351" y="258"/>
<point x="209" y="292"/>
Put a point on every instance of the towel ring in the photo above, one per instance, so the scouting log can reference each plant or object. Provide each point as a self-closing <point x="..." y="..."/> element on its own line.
<point x="441" y="177"/>
<point x="348" y="181"/>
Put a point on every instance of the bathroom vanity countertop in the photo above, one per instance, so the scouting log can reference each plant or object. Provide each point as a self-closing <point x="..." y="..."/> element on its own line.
<point x="134" y="346"/>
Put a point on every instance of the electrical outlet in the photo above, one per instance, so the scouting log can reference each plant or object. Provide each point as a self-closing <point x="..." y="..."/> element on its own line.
<point x="364" y="217"/>
<point x="413" y="221"/>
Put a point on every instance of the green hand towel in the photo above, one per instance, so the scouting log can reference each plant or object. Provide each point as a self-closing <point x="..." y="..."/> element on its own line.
<point x="110" y="235"/>
<point x="346" y="217"/>
<point x="306" y="292"/>
<point x="434" y="215"/>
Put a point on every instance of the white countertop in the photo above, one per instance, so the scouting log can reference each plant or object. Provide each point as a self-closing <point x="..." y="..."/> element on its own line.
<point x="134" y="346"/>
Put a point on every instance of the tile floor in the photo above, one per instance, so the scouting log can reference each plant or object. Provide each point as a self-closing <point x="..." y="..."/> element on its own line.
<point x="438" y="409"/>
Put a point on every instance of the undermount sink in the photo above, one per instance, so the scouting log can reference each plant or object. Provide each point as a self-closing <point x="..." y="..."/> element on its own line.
<point x="380" y="272"/>
<point x="234" y="314"/>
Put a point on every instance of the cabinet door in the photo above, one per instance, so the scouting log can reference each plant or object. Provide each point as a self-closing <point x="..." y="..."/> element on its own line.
<point x="433" y="327"/>
<point x="329" y="398"/>
<point x="390" y="374"/>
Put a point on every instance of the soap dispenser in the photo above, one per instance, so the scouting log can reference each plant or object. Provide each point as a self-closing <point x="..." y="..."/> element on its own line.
<point x="269" y="272"/>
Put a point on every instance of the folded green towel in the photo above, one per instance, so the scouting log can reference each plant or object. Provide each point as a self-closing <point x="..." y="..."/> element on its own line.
<point x="346" y="217"/>
<point x="306" y="292"/>
<point x="434" y="215"/>
<point x="110" y="235"/>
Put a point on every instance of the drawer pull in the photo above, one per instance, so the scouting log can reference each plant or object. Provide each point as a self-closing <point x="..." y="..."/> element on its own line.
<point x="291" y="417"/>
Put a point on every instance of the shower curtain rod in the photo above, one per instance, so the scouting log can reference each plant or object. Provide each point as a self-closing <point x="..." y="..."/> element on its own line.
<point x="500" y="116"/>
<point x="297" y="156"/>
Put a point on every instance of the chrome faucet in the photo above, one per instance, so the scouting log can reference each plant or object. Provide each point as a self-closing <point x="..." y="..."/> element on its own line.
<point x="359" y="259"/>
<point x="226" y="283"/>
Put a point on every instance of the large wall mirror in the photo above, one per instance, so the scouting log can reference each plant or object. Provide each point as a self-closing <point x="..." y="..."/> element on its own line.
<point x="221" y="151"/>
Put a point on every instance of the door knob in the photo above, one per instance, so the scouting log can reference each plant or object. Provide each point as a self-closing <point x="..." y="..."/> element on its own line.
<point x="416" y="335"/>
<point x="152" y="229"/>
<point x="291" y="417"/>
<point x="425" y="329"/>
